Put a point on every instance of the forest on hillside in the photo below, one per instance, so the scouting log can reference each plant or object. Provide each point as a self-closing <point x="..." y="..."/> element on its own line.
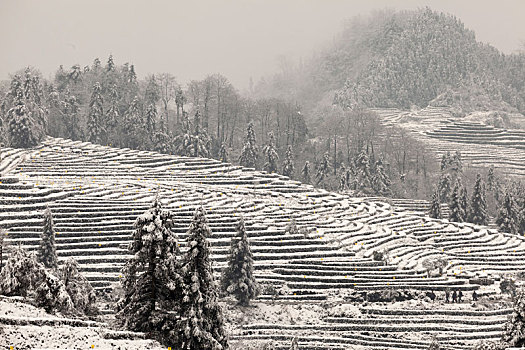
<point x="308" y="121"/>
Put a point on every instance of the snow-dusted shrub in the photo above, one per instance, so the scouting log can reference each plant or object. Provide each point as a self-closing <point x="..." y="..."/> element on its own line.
<point x="52" y="295"/>
<point x="23" y="275"/>
<point x="78" y="287"/>
<point x="20" y="273"/>
<point x="489" y="345"/>
<point x="434" y="344"/>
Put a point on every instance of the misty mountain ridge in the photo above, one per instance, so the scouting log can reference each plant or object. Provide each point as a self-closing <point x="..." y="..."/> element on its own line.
<point x="406" y="59"/>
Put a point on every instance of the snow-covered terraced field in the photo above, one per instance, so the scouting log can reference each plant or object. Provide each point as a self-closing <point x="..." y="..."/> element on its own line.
<point x="479" y="144"/>
<point x="96" y="192"/>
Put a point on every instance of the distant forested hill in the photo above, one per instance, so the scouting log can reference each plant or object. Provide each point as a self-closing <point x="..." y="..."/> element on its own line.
<point x="402" y="59"/>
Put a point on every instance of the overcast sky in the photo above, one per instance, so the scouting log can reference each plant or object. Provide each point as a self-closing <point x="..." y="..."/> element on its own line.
<point x="237" y="38"/>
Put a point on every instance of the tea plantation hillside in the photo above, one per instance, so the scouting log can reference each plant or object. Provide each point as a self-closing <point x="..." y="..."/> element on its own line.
<point x="329" y="278"/>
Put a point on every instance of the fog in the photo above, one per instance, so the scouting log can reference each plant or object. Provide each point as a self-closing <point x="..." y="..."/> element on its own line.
<point x="190" y="39"/>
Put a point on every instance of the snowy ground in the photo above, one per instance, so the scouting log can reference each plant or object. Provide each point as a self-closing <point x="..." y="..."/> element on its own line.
<point x="16" y="334"/>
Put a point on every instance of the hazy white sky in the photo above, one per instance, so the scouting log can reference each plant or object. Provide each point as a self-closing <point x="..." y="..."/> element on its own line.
<point x="191" y="38"/>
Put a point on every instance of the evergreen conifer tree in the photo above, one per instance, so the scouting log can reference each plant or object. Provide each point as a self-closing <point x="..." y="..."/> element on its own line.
<point x="46" y="253"/>
<point x="323" y="168"/>
<point x="288" y="166"/>
<point x="305" y="172"/>
<point x="71" y="108"/>
<point x="478" y="206"/>
<point x="457" y="213"/>
<point x="380" y="180"/>
<point x="110" y="66"/>
<point x="238" y="279"/>
<point x="444" y="187"/>
<point x="248" y="157"/>
<point x="343" y="185"/>
<point x="463" y="201"/>
<point x="362" y="166"/>
<point x="223" y="153"/>
<point x="22" y="130"/>
<point x="456" y="164"/>
<point x="514" y="330"/>
<point x="151" y="118"/>
<point x="271" y="154"/>
<point x="201" y="323"/>
<point x="521" y="227"/>
<point x="435" y="206"/>
<point x="507" y="219"/>
<point x="161" y="140"/>
<point x="131" y="124"/>
<point x="491" y="178"/>
<point x="444" y="161"/>
<point x="151" y="280"/>
<point x="96" y="115"/>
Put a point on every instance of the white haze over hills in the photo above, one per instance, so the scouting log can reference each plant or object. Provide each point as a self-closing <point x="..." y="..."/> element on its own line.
<point x="190" y="39"/>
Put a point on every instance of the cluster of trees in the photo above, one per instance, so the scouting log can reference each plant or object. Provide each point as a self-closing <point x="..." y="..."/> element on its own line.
<point x="508" y="199"/>
<point x="107" y="104"/>
<point x="419" y="56"/>
<point x="38" y="276"/>
<point x="172" y="295"/>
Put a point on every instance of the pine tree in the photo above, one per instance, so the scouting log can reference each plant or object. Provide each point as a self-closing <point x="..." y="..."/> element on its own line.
<point x="271" y="154"/>
<point x="199" y="139"/>
<point x="248" y="157"/>
<point x="161" y="140"/>
<point x="435" y="206"/>
<point x="323" y="168"/>
<point x="96" y="115"/>
<point x="131" y="124"/>
<point x="522" y="219"/>
<point x="151" y="118"/>
<point x="456" y="209"/>
<point x="456" y="164"/>
<point x="151" y="280"/>
<point x="113" y="113"/>
<point x="305" y="172"/>
<point x="46" y="253"/>
<point x="183" y="142"/>
<point x="507" y="219"/>
<point x="444" y="161"/>
<point x="478" y="206"/>
<point x="288" y="166"/>
<point x="238" y="279"/>
<point x="223" y="153"/>
<point x="514" y="330"/>
<point x="463" y="201"/>
<point x="444" y="187"/>
<point x="71" y="108"/>
<point x="110" y="66"/>
<point x="22" y="130"/>
<point x="363" y="175"/>
<point x="380" y="180"/>
<point x="201" y="323"/>
<point x="343" y="185"/>
<point x="491" y="178"/>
